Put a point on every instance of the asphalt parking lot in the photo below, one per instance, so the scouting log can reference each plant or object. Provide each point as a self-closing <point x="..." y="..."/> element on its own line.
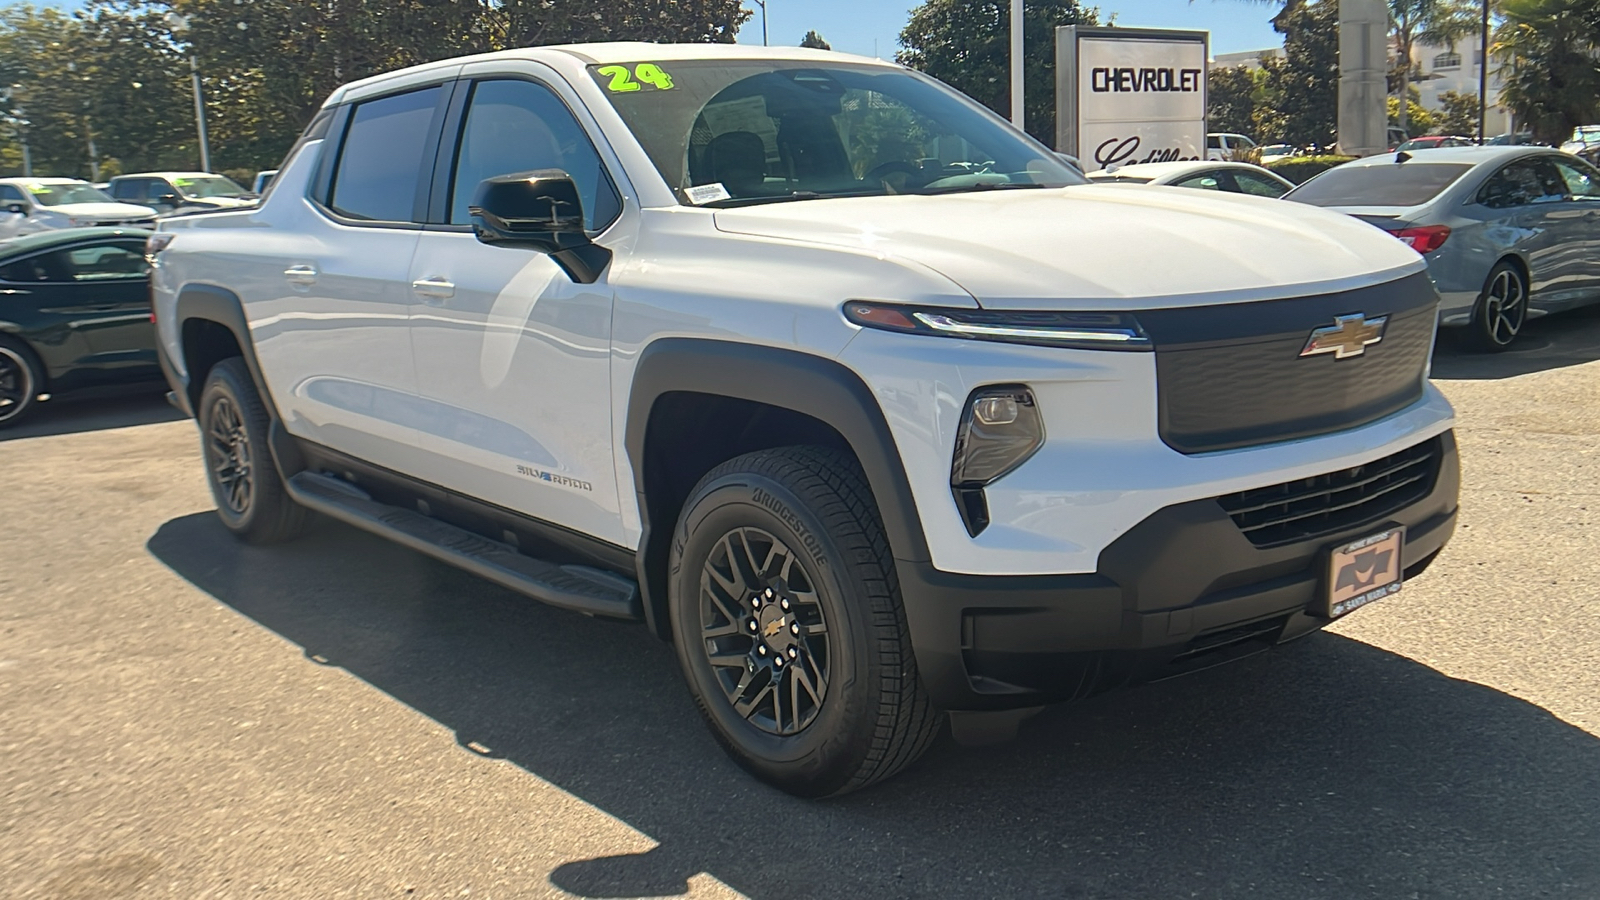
<point x="184" y="716"/>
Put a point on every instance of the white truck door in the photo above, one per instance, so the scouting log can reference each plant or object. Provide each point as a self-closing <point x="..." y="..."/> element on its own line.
<point x="511" y="354"/>
<point x="333" y="334"/>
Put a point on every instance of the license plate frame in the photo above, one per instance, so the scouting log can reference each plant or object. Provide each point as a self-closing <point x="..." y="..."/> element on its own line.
<point x="1349" y="586"/>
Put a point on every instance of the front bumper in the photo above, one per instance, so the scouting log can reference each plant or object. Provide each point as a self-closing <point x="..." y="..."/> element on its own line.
<point x="1183" y="590"/>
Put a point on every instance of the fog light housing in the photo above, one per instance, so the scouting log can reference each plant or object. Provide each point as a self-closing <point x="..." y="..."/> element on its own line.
<point x="1000" y="428"/>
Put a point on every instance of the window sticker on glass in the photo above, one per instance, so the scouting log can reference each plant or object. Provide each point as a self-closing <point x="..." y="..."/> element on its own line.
<point x="38" y="188"/>
<point x="643" y="75"/>
<point x="701" y="194"/>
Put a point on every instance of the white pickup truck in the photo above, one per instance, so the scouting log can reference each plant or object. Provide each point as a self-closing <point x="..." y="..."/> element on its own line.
<point x="823" y="372"/>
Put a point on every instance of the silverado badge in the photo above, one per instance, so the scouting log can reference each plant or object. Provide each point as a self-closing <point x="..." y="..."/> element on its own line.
<point x="1347" y="336"/>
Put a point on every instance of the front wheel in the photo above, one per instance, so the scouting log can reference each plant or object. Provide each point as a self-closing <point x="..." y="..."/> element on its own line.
<point x="1502" y="308"/>
<point x="787" y="618"/>
<point x="251" y="500"/>
<point x="21" y="380"/>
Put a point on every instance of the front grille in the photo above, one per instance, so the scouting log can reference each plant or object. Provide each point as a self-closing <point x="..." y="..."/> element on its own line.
<point x="1233" y="375"/>
<point x="1327" y="504"/>
<point x="127" y="223"/>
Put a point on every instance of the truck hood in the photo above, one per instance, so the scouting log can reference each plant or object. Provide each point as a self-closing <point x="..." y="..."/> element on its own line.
<point x="1099" y="246"/>
<point x="101" y="211"/>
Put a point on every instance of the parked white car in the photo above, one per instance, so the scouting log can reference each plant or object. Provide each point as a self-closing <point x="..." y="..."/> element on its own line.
<point x="862" y="397"/>
<point x="181" y="192"/>
<point x="1228" y="177"/>
<point x="1223" y="145"/>
<point x="29" y="205"/>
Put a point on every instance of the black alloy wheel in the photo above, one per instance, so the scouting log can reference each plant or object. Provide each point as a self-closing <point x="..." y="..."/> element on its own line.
<point x="19" y="382"/>
<point x="786" y="613"/>
<point x="765" y="633"/>
<point x="233" y="420"/>
<point x="228" y="455"/>
<point x="1502" y="308"/>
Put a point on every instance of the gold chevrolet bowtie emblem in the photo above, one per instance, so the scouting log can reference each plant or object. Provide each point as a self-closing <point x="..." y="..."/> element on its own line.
<point x="1347" y="336"/>
<point x="773" y="627"/>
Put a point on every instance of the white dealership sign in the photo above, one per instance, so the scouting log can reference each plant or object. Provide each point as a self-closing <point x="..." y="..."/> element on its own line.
<point x="1130" y="95"/>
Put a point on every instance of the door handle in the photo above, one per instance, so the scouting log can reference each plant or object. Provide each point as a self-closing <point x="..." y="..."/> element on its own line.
<point x="433" y="289"/>
<point x="301" y="274"/>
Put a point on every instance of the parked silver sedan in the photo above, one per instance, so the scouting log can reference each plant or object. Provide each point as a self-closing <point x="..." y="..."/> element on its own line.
<point x="1508" y="232"/>
<point x="1206" y="175"/>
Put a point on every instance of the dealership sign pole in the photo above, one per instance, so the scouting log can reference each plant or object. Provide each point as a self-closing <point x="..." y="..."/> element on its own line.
<point x="1130" y="95"/>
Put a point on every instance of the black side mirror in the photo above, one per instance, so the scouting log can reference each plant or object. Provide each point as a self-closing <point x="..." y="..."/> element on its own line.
<point x="18" y="208"/>
<point x="166" y="200"/>
<point x="539" y="210"/>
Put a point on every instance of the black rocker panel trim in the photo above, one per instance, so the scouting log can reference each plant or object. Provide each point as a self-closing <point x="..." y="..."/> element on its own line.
<point x="788" y="379"/>
<point x="532" y="536"/>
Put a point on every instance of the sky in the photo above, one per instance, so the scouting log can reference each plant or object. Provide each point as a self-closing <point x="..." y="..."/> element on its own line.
<point x="871" y="27"/>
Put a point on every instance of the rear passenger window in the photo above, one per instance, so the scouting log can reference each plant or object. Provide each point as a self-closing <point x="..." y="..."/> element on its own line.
<point x="382" y="156"/>
<point x="516" y="126"/>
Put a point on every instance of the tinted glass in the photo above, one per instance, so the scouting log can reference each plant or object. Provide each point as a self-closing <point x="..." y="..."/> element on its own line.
<point x="10" y="194"/>
<point x="1395" y="184"/>
<point x="381" y="160"/>
<point x="516" y="126"/>
<point x="43" y="267"/>
<point x="757" y="131"/>
<point x="1583" y="182"/>
<point x="127" y="189"/>
<point x="1523" y="183"/>
<point x="1207" y="181"/>
<point x="1258" y="185"/>
<point x="102" y="262"/>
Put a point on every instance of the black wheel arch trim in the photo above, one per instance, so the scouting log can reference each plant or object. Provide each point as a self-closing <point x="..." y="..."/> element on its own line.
<point x="815" y="386"/>
<point x="210" y="303"/>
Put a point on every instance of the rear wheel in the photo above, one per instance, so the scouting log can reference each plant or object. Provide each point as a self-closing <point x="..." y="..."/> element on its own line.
<point x="21" y="378"/>
<point x="251" y="500"/>
<point x="787" y="618"/>
<point x="1502" y="308"/>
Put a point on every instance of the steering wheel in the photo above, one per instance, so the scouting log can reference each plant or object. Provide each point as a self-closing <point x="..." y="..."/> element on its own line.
<point x="884" y="170"/>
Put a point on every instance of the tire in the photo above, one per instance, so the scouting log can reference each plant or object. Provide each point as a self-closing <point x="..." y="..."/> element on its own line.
<point x="21" y="381"/>
<point x="1502" y="308"/>
<point x="251" y="500"/>
<point x="787" y="618"/>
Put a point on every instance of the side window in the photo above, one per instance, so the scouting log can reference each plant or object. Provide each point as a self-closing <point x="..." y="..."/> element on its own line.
<point x="43" y="268"/>
<point x="1583" y="183"/>
<point x="105" y="262"/>
<point x="517" y="126"/>
<point x="1520" y="184"/>
<point x="1258" y="185"/>
<point x="1213" y="142"/>
<point x="126" y="189"/>
<point x="11" y="194"/>
<point x="375" y="177"/>
<point x="1206" y="181"/>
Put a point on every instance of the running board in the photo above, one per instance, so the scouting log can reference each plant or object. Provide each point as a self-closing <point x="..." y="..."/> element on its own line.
<point x="578" y="588"/>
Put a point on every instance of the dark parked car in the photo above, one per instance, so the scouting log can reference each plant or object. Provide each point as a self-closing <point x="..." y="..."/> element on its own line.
<point x="74" y="316"/>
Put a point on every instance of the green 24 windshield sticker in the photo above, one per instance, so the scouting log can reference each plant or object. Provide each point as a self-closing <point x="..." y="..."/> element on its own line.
<point x="624" y="81"/>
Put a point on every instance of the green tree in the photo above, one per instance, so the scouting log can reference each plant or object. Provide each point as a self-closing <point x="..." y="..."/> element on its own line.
<point x="1297" y="96"/>
<point x="1230" y="103"/>
<point x="1436" y="22"/>
<point x="1458" y="113"/>
<point x="1419" y="119"/>
<point x="967" y="44"/>
<point x="134" y="87"/>
<point x="41" y="108"/>
<point x="814" y="40"/>
<point x="1547" y="51"/>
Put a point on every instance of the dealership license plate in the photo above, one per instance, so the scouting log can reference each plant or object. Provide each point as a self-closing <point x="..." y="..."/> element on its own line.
<point x="1363" y="571"/>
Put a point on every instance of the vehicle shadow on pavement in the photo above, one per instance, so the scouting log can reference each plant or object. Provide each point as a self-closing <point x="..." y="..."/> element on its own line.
<point x="1324" y="769"/>
<point x="1549" y="342"/>
<point x="73" y="416"/>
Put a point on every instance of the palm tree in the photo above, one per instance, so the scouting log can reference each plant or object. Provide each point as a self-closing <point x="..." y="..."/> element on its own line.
<point x="1436" y="22"/>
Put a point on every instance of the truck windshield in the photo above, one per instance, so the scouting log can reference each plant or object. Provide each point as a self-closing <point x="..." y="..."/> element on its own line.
<point x="208" y="186"/>
<point x="1400" y="184"/>
<point x="759" y="131"/>
<point x="57" y="193"/>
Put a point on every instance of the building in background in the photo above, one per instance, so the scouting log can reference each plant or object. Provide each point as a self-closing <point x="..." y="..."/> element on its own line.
<point x="1250" y="59"/>
<point x="1456" y="68"/>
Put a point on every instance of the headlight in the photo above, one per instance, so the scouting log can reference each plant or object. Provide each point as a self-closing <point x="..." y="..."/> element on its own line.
<point x="1000" y="428"/>
<point x="1078" y="330"/>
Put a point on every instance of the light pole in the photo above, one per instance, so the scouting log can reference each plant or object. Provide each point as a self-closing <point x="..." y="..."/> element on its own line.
<point x="179" y="24"/>
<point x="1016" y="63"/>
<point x="1483" y="74"/>
<point x="763" y="5"/>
